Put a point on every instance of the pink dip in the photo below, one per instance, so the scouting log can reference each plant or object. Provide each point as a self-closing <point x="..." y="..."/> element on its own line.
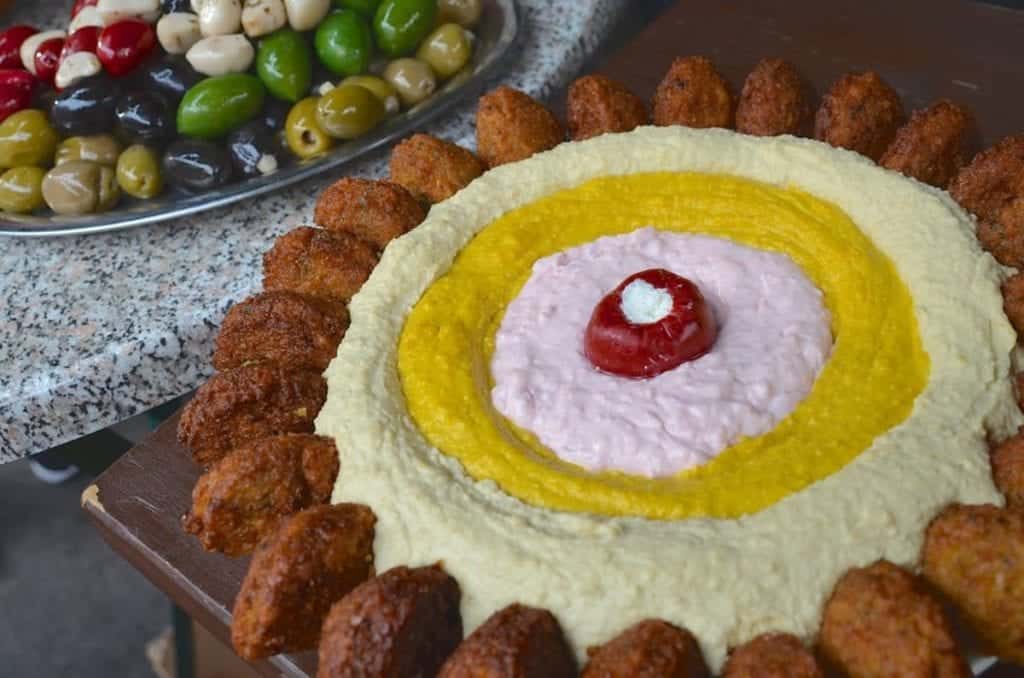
<point x="774" y="337"/>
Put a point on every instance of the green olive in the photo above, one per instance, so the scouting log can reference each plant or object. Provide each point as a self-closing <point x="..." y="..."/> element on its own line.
<point x="21" y="189"/>
<point x="26" y="138"/>
<point x="446" y="50"/>
<point x="463" y="12"/>
<point x="138" y="172"/>
<point x="413" y="79"/>
<point x="400" y="25"/>
<point x="101" y="148"/>
<point x="80" y="187"/>
<point x="303" y="133"/>
<point x="349" y="111"/>
<point x="381" y="89"/>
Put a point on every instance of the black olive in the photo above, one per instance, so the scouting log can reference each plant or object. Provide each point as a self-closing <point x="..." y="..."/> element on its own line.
<point x="171" y="76"/>
<point x="169" y="6"/>
<point x="274" y="113"/>
<point x="253" y="150"/>
<point x="196" y="166"/>
<point x="86" y="107"/>
<point x="144" y="118"/>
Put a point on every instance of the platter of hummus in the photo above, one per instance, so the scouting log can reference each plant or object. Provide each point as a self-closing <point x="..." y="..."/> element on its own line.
<point x="913" y="381"/>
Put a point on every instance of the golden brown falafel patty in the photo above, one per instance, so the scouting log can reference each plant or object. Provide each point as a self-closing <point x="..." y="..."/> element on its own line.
<point x="772" y="655"/>
<point x="932" y="146"/>
<point x="599" y="105"/>
<point x="326" y="264"/>
<point x="374" y="211"/>
<point x="512" y="126"/>
<point x="775" y="100"/>
<point x="693" y="94"/>
<point x="432" y="169"/>
<point x="649" y="649"/>
<point x="860" y="112"/>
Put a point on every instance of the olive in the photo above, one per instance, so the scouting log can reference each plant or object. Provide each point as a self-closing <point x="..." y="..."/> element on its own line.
<point x="364" y="7"/>
<point x="446" y="50"/>
<point x="381" y="89"/>
<point x="170" y="76"/>
<point x="274" y="113"/>
<point x="26" y="138"/>
<point x="87" y="107"/>
<point x="349" y="111"/>
<point x="253" y="150"/>
<point x="144" y="118"/>
<point x="285" y="65"/>
<point x="172" y="6"/>
<point x="101" y="148"/>
<point x="344" y="43"/>
<point x="413" y="79"/>
<point x="138" y="172"/>
<point x="196" y="166"/>
<point x="463" y="12"/>
<point x="21" y="189"/>
<point x="400" y="25"/>
<point x="303" y="133"/>
<point x="219" y="104"/>
<point x="80" y="187"/>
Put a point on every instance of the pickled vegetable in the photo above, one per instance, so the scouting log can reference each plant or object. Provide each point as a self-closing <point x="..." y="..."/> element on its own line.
<point x="413" y="79"/>
<point x="253" y="150"/>
<point x="285" y="65"/>
<point x="125" y="44"/>
<point x="196" y="166"/>
<point x="447" y="50"/>
<point x="10" y="45"/>
<point x="80" y="187"/>
<point x="100" y="148"/>
<point x="26" y="138"/>
<point x="400" y="25"/>
<point x="170" y="76"/>
<point x="303" y="133"/>
<point x="138" y="172"/>
<point x="218" y="105"/>
<point x="349" y="111"/>
<point x="21" y="190"/>
<point x="344" y="43"/>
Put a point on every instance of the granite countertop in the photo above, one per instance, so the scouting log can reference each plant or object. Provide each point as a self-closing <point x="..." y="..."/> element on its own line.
<point x="95" y="329"/>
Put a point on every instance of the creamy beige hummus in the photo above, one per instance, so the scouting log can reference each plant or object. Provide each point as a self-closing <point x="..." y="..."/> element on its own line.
<point x="725" y="580"/>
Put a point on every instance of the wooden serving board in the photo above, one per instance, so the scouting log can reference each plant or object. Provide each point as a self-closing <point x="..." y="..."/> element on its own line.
<point x="927" y="49"/>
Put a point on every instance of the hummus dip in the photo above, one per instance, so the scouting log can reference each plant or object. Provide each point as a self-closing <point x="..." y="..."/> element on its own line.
<point x="725" y="579"/>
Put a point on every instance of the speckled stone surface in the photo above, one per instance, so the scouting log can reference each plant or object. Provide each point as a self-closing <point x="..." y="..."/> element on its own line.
<point x="95" y="329"/>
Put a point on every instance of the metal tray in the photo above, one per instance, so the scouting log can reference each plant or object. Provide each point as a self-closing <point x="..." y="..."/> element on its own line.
<point x="496" y="34"/>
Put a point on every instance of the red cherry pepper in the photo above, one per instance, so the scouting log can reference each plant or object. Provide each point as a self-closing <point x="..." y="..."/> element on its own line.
<point x="617" y="346"/>
<point x="10" y="45"/>
<point x="124" y="45"/>
<point x="13" y="98"/>
<point x="47" y="59"/>
<point x="80" y="5"/>
<point x="82" y="40"/>
<point x="16" y="77"/>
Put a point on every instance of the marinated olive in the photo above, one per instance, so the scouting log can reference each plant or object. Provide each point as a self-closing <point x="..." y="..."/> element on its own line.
<point x="349" y="111"/>
<point x="170" y="76"/>
<point x="221" y="54"/>
<point x="413" y="79"/>
<point x="100" y="148"/>
<point x="285" y="65"/>
<point x="446" y="50"/>
<point x="364" y="7"/>
<point x="196" y="166"/>
<point x="21" y="189"/>
<point x="85" y="108"/>
<point x="263" y="17"/>
<point x="344" y="43"/>
<point x="80" y="187"/>
<point x="303" y="133"/>
<point x="144" y="118"/>
<point x="218" y="105"/>
<point x="274" y="113"/>
<point x="463" y="12"/>
<point x="173" y="6"/>
<point x="253" y="150"/>
<point x="381" y="89"/>
<point x="47" y="59"/>
<point x="138" y="172"/>
<point x="26" y="138"/>
<point x="400" y="25"/>
<point x="304" y="15"/>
